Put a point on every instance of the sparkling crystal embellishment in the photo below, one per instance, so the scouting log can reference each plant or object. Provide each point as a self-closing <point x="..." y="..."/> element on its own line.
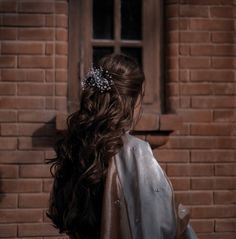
<point x="99" y="78"/>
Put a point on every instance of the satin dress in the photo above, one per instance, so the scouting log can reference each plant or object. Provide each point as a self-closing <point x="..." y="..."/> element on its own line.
<point x="138" y="200"/>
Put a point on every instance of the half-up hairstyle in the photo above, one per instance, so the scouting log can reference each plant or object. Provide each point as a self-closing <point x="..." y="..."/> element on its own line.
<point x="93" y="137"/>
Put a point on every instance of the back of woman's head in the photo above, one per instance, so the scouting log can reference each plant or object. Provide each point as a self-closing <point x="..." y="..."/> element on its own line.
<point x="93" y="137"/>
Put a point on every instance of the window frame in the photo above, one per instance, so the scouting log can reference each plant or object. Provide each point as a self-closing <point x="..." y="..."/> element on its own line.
<point x="79" y="47"/>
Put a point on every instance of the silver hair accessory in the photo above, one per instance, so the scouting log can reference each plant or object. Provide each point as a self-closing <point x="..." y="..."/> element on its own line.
<point x="99" y="78"/>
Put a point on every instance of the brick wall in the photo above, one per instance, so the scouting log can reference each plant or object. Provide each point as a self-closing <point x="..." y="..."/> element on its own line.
<point x="33" y="66"/>
<point x="200" y="158"/>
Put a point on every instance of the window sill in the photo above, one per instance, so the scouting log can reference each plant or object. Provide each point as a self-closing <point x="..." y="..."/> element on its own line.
<point x="152" y="127"/>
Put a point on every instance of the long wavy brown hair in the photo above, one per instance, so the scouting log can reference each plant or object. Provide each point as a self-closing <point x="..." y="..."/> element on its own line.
<point x="93" y="137"/>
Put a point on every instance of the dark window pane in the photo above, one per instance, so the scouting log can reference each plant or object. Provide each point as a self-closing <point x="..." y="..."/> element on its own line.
<point x="135" y="52"/>
<point x="99" y="52"/>
<point x="103" y="19"/>
<point x="131" y="19"/>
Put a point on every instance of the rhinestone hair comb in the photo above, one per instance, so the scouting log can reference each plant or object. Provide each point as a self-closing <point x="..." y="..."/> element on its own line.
<point x="99" y="78"/>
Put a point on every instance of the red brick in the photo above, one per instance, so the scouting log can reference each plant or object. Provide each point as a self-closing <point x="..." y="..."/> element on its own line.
<point x="49" y="21"/>
<point x="23" y="20"/>
<point x="35" y="62"/>
<point x="183" y="130"/>
<point x="61" y="49"/>
<point x="61" y="35"/>
<point x="22" y="186"/>
<point x="33" y="200"/>
<point x="171" y="24"/>
<point x="168" y="156"/>
<point x="172" y="62"/>
<point x="202" y="225"/>
<point x="194" y="197"/>
<point x="172" y="89"/>
<point x="7" y="89"/>
<point x="35" y="142"/>
<point x="8" y="6"/>
<point x="8" y="200"/>
<point x="182" y="170"/>
<point x="225" y="197"/>
<point x="22" y="48"/>
<point x="9" y="171"/>
<point x="212" y="129"/>
<point x="213" y="50"/>
<point x="20" y="215"/>
<point x="195" y="89"/>
<point x="61" y="89"/>
<point x="49" y="49"/>
<point x="224" y="63"/>
<point x="37" y="229"/>
<point x="223" y="89"/>
<point x="36" y="116"/>
<point x="183" y="142"/>
<point x="171" y="37"/>
<point x="224" y="115"/>
<point x="21" y="157"/>
<point x="207" y="24"/>
<point x="23" y="75"/>
<point x="213" y="183"/>
<point x="35" y="89"/>
<point x="47" y="185"/>
<point x="207" y="2"/>
<point x="170" y="121"/>
<point x="8" y="116"/>
<point x="50" y="75"/>
<point x="9" y="129"/>
<point x="228" y="235"/>
<point x="184" y="75"/>
<point x="61" y="75"/>
<point x="49" y="154"/>
<point x="223" y="37"/>
<point x="61" y="62"/>
<point x="193" y="11"/>
<point x="61" y="7"/>
<point x="190" y="115"/>
<point x="194" y="62"/>
<point x="8" y="230"/>
<point x="7" y="61"/>
<point x="213" y="102"/>
<point x="35" y="171"/>
<point x="7" y="143"/>
<point x="61" y="103"/>
<point x="225" y="169"/>
<point x="61" y="21"/>
<point x="36" y="7"/>
<point x="171" y="11"/>
<point x="36" y="129"/>
<point x="180" y="183"/>
<point x="50" y="103"/>
<point x="213" y="211"/>
<point x="8" y="34"/>
<point x="225" y="225"/>
<point x="213" y="156"/>
<point x="194" y="37"/>
<point x="21" y="103"/>
<point x="35" y="34"/>
<point x="223" y="12"/>
<point x="172" y="50"/>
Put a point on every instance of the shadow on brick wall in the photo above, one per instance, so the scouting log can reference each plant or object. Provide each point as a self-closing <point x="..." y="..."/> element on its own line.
<point x="45" y="137"/>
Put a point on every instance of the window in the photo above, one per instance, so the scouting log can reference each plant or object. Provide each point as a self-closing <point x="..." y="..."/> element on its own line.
<point x="98" y="27"/>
